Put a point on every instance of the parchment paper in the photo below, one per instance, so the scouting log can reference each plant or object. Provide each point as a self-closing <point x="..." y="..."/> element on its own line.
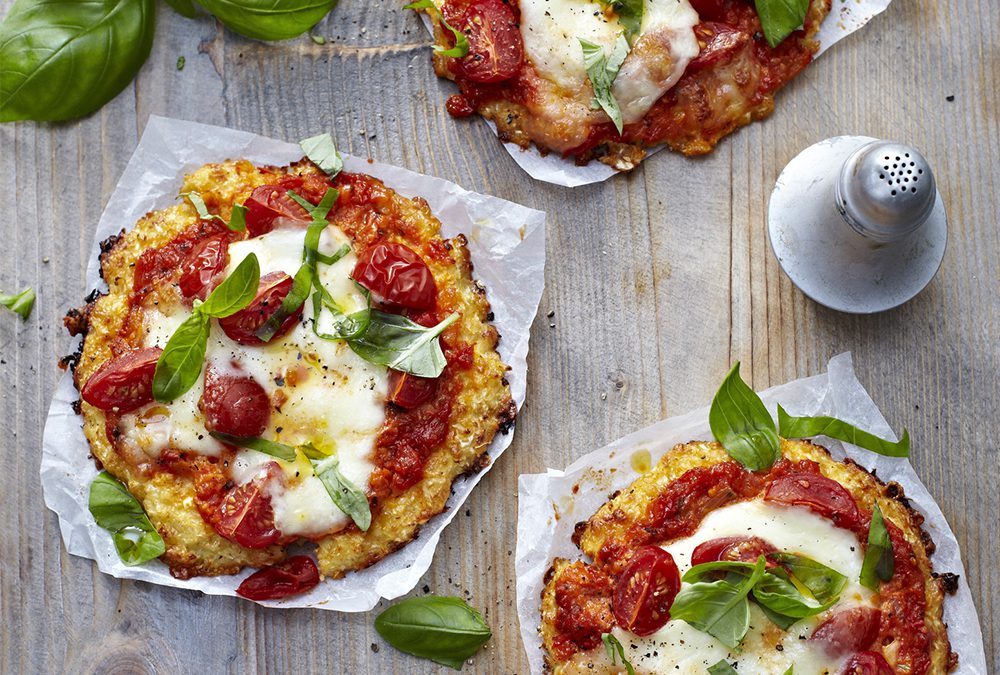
<point x="507" y="243"/>
<point x="542" y="537"/>
<point x="845" y="17"/>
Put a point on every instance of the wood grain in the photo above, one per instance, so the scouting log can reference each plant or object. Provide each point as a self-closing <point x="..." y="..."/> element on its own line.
<point x="658" y="281"/>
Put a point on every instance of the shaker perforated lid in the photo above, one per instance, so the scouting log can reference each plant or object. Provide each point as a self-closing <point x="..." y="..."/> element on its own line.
<point x="858" y="224"/>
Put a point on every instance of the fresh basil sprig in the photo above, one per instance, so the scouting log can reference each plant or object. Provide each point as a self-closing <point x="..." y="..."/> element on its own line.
<point x="461" y="47"/>
<point x="879" y="563"/>
<point x="445" y="630"/>
<point x="267" y="19"/>
<point x="616" y="651"/>
<point x="20" y="303"/>
<point x="322" y="152"/>
<point x="807" y="427"/>
<point x="742" y="424"/>
<point x="779" y="18"/>
<point x="348" y="497"/>
<point x="180" y="363"/>
<point x="64" y="58"/>
<point x="602" y="69"/>
<point x="237" y="221"/>
<point x="118" y="512"/>
<point x="395" y="341"/>
<point x="719" y="608"/>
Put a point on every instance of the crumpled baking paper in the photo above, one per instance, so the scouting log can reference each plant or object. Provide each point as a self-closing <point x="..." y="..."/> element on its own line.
<point x="542" y="536"/>
<point x="507" y="243"/>
<point x="844" y="18"/>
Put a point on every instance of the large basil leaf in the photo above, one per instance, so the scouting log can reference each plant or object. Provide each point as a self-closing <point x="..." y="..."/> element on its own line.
<point x="879" y="563"/>
<point x="179" y="365"/>
<point x="395" y="341"/>
<point x="616" y="651"/>
<point x="323" y="153"/>
<point x="269" y="19"/>
<point x="183" y="7"/>
<point x="443" y="629"/>
<point x="823" y="582"/>
<point x="118" y="512"/>
<point x="779" y="18"/>
<point x="20" y="303"/>
<point x="63" y="59"/>
<point x="775" y="592"/>
<point x="807" y="427"/>
<point x="719" y="608"/>
<point x="236" y="292"/>
<point x="602" y="69"/>
<point x="742" y="424"/>
<point x="348" y="497"/>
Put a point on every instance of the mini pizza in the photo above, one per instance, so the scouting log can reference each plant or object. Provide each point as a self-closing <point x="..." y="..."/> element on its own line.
<point x="291" y="355"/>
<point x="811" y="566"/>
<point x="608" y="79"/>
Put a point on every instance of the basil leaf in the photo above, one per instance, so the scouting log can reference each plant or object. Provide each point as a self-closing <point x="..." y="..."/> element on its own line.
<point x="705" y="570"/>
<point x="395" y="341"/>
<point x="279" y="450"/>
<point x="179" y="366"/>
<point x="630" y="16"/>
<point x="348" y="497"/>
<point x="719" y="608"/>
<point x="775" y="592"/>
<point x="444" y="630"/>
<point x="63" y="59"/>
<point x="722" y="668"/>
<point x="461" y="47"/>
<point x="807" y="427"/>
<point x="118" y="512"/>
<point x="238" y="219"/>
<point x="602" y="69"/>
<point x="779" y="18"/>
<point x="879" y="563"/>
<point x="346" y="326"/>
<point x="236" y="292"/>
<point x="184" y="8"/>
<point x="269" y="19"/>
<point x="322" y="152"/>
<point x="611" y="646"/>
<point x="822" y="581"/>
<point x="742" y="424"/>
<point x="20" y="303"/>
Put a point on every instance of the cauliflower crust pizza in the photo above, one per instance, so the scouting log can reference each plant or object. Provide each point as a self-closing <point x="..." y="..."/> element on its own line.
<point x="802" y="526"/>
<point x="607" y="79"/>
<point x="357" y="443"/>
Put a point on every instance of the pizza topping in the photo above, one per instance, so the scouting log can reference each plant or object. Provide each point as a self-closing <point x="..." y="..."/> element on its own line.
<point x="117" y="511"/>
<point x="409" y="391"/>
<point x="583" y="601"/>
<point x="242" y="326"/>
<point x="495" y="47"/>
<point x="19" y="303"/>
<point x="879" y="563"/>
<point x="602" y="69"/>
<point x="396" y="276"/>
<point x="779" y="18"/>
<point x="867" y="663"/>
<point x="294" y="576"/>
<point x="818" y="493"/>
<point x="234" y="402"/>
<point x="848" y="631"/>
<point x="645" y="591"/>
<point x="743" y="425"/>
<point x="269" y="206"/>
<point x="322" y="152"/>
<point x="245" y="515"/>
<point x="202" y="268"/>
<point x="124" y="383"/>
<point x="720" y="44"/>
<point x="742" y="549"/>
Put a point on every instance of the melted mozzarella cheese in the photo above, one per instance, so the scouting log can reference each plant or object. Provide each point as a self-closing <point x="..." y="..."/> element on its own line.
<point x="680" y="648"/>
<point x="551" y="30"/>
<point x="321" y="391"/>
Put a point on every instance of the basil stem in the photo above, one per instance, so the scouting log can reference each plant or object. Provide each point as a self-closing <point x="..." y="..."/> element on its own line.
<point x="616" y="651"/>
<point x="280" y="451"/>
<point x="719" y="608"/>
<point x="602" y="69"/>
<point x="879" y="563"/>
<point x="779" y="18"/>
<point x="118" y="512"/>
<point x="395" y="341"/>
<point x="742" y="424"/>
<point x="348" y="497"/>
<point x="322" y="152"/>
<point x="807" y="427"/>
<point x="445" y="630"/>
<point x="21" y="303"/>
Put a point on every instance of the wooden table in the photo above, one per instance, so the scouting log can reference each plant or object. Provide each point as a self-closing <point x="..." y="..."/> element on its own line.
<point x="658" y="280"/>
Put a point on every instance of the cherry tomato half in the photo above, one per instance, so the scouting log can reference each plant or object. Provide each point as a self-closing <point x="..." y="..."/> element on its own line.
<point x="721" y="43"/>
<point x="409" y="391"/>
<point x="849" y="631"/>
<point x="296" y="575"/>
<point x="496" y="48"/>
<point x="246" y="517"/>
<point x="243" y="325"/>
<point x="826" y="497"/>
<point x="397" y="276"/>
<point x="741" y="549"/>
<point x="269" y="205"/>
<point x="234" y="404"/>
<point x="645" y="591"/>
<point x="202" y="268"/>
<point x="867" y="663"/>
<point x="124" y="383"/>
<point x="710" y="10"/>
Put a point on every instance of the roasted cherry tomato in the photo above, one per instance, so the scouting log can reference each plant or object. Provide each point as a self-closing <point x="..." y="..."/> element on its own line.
<point x="867" y="663"/>
<point x="269" y="206"/>
<point x="234" y="403"/>
<point x="645" y="591"/>
<point x="496" y="48"/>
<point x="396" y="276"/>
<point x="124" y="383"/>
<point x="720" y="43"/>
<point x="741" y="549"/>
<point x="852" y="630"/>
<point x="710" y="10"/>
<point x="409" y="391"/>
<point x="243" y="325"/>
<point x="202" y="268"/>
<point x="246" y="517"/>
<point x="296" y="575"/>
<point x="826" y="497"/>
